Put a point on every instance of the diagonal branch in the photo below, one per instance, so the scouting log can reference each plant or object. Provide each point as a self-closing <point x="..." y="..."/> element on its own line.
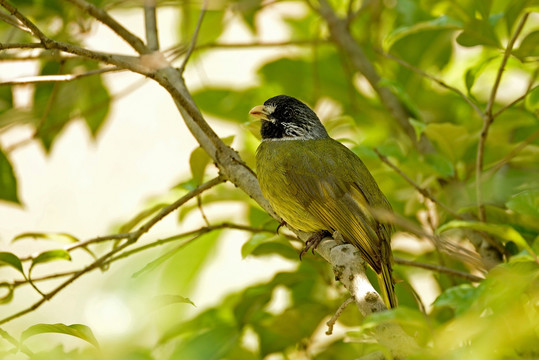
<point x="134" y="41"/>
<point x="58" y="78"/>
<point x="419" y="189"/>
<point x="344" y="40"/>
<point x="435" y="79"/>
<point x="488" y="118"/>
<point x="129" y="240"/>
<point x="195" y="37"/>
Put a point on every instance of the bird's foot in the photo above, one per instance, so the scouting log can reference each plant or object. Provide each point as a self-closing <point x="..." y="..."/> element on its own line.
<point x="281" y="224"/>
<point x="313" y="242"/>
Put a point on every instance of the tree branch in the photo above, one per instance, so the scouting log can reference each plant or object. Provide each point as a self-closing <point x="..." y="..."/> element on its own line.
<point x="195" y="37"/>
<point x="419" y="189"/>
<point x="349" y="269"/>
<point x="438" y="268"/>
<point x="488" y="118"/>
<point x="150" y="22"/>
<point x="131" y="239"/>
<point x="344" y="40"/>
<point x="134" y="41"/>
<point x="58" y="78"/>
<point x="435" y="79"/>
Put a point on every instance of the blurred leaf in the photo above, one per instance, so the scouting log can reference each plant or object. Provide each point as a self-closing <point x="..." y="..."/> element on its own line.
<point x="532" y="99"/>
<point x="285" y="330"/>
<point x="458" y="298"/>
<point x="165" y="300"/>
<point x="212" y="344"/>
<point x="418" y="126"/>
<point x="6" y="297"/>
<point x="180" y="274"/>
<point x="6" y="99"/>
<point x="403" y="96"/>
<point x="505" y="232"/>
<point x="77" y="330"/>
<point x="50" y="255"/>
<point x="210" y="29"/>
<point x="526" y="202"/>
<point x="64" y="238"/>
<point x="446" y="135"/>
<point x="442" y="22"/>
<point x="10" y="259"/>
<point x="255" y="241"/>
<point x="55" y="104"/>
<point x="473" y="72"/>
<point x="441" y="164"/>
<point x="529" y="46"/>
<point x="8" y="181"/>
<point x="198" y="161"/>
<point x="128" y="226"/>
<point x="478" y="32"/>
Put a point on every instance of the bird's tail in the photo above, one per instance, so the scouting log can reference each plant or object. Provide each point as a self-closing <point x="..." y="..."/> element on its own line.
<point x="385" y="280"/>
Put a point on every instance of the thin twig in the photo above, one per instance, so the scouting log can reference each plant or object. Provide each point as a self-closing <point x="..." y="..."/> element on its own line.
<point x="127" y="62"/>
<point x="200" y="231"/>
<point x="331" y="322"/>
<point x="58" y="78"/>
<point x="488" y="118"/>
<point x="26" y="22"/>
<point x="495" y="167"/>
<point x="20" y="45"/>
<point x="438" y="268"/>
<point x="134" y="236"/>
<point x="150" y="22"/>
<point x="194" y="38"/>
<point x="421" y="190"/>
<point x="134" y="41"/>
<point x="435" y="79"/>
<point x="17" y="344"/>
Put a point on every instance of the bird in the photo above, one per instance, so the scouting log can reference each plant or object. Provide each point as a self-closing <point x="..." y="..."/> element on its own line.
<point x="317" y="185"/>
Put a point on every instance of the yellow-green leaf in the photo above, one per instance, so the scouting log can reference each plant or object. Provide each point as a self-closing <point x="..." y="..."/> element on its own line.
<point x="77" y="330"/>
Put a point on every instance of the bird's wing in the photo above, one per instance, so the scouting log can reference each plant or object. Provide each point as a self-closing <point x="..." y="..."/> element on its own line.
<point x="339" y="190"/>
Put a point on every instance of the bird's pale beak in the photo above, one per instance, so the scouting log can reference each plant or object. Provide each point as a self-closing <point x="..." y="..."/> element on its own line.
<point x="259" y="112"/>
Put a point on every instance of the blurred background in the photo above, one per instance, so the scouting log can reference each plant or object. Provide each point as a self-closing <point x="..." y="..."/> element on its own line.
<point x="107" y="148"/>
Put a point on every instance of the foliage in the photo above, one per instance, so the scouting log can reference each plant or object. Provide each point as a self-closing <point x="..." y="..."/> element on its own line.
<point x="440" y="59"/>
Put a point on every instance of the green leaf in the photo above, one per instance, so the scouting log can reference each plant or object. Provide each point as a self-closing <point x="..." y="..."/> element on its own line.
<point x="55" y="104"/>
<point x="154" y="264"/>
<point x="51" y="255"/>
<point x="165" y="300"/>
<point x="532" y="99"/>
<point x="10" y="259"/>
<point x="505" y="232"/>
<point x="446" y="135"/>
<point x="77" y="330"/>
<point x="442" y="22"/>
<point x="8" y="296"/>
<point x="458" y="298"/>
<point x="8" y="181"/>
<point x="441" y="164"/>
<point x="526" y="202"/>
<point x="479" y="32"/>
<point x="255" y="241"/>
<point x="529" y="45"/>
<point x="419" y="127"/>
<point x="212" y="344"/>
<point x="57" y="237"/>
<point x="198" y="161"/>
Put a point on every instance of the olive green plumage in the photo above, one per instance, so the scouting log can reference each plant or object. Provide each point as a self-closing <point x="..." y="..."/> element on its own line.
<point x="317" y="184"/>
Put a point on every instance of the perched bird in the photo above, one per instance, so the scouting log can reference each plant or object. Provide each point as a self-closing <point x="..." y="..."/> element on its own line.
<point x="318" y="185"/>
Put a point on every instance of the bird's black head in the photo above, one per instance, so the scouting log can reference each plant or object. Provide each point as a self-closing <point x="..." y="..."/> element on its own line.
<point x="284" y="117"/>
